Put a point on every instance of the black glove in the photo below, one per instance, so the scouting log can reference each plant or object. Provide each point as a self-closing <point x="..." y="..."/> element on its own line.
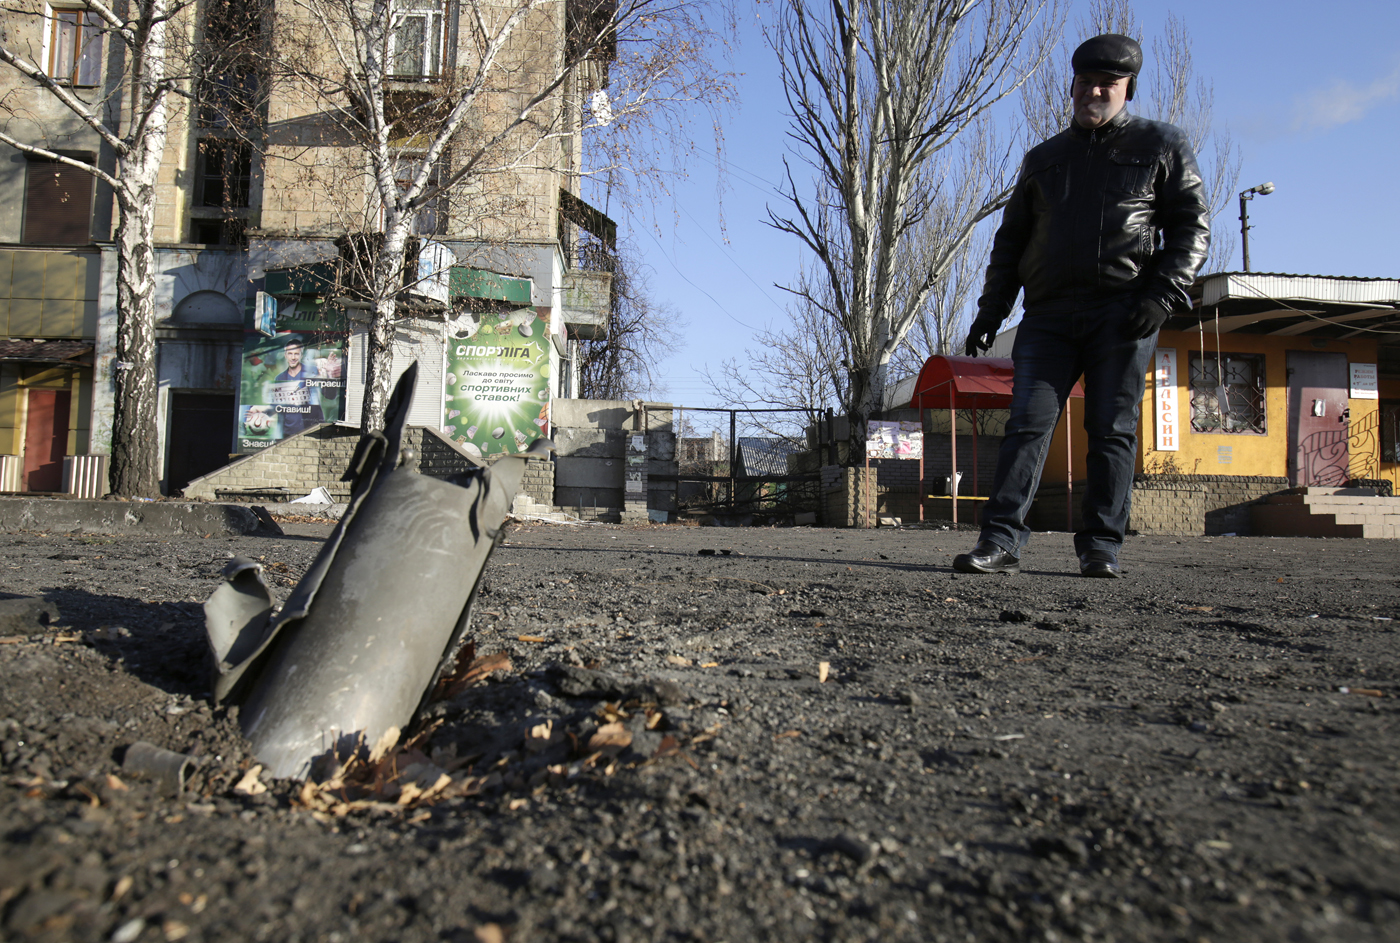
<point x="979" y="336"/>
<point x="1146" y="319"/>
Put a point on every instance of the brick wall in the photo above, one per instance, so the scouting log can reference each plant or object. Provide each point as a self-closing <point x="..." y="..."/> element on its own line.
<point x="1168" y="508"/>
<point x="1226" y="499"/>
<point x="1190" y="505"/>
<point x="320" y="456"/>
<point x="844" y="497"/>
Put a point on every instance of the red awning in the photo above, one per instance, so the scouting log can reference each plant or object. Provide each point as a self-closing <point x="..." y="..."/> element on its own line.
<point x="969" y="382"/>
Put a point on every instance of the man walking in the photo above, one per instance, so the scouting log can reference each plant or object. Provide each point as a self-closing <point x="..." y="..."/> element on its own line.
<point x="1104" y="230"/>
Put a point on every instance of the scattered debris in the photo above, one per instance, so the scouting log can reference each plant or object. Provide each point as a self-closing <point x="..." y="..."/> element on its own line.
<point x="166" y="768"/>
<point x="26" y="615"/>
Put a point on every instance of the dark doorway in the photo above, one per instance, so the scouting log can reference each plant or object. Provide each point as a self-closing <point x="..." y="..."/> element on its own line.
<point x="201" y="435"/>
<point x="46" y="439"/>
<point x="1318" y="454"/>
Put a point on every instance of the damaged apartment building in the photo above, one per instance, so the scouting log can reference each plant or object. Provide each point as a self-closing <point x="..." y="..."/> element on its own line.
<point x="260" y="322"/>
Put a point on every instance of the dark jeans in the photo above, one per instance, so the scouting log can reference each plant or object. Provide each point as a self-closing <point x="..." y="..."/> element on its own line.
<point x="1051" y="352"/>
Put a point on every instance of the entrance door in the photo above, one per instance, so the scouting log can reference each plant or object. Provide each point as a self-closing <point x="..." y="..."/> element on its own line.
<point x="1317" y="419"/>
<point x="46" y="439"/>
<point x="201" y="435"/>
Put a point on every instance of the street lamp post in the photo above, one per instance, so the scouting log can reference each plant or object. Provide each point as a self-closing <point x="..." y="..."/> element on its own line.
<point x="1264" y="189"/>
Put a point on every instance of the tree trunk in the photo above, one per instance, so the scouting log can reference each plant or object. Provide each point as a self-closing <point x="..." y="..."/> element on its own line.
<point x="387" y="280"/>
<point x="135" y="462"/>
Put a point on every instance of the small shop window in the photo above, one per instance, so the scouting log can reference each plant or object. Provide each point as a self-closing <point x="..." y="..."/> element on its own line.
<point x="1227" y="393"/>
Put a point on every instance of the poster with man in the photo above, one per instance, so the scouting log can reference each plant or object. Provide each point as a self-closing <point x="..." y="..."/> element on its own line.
<point x="291" y="382"/>
<point x="497" y="388"/>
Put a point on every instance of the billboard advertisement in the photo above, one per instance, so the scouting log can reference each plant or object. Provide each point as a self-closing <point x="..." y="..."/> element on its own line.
<point x="291" y="381"/>
<point x="497" y="385"/>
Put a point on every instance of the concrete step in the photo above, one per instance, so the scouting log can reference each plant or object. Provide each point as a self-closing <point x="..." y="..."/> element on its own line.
<point x="1384" y="505"/>
<point x="1275" y="520"/>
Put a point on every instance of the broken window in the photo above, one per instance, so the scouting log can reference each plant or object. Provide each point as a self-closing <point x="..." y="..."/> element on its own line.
<point x="223" y="173"/>
<point x="73" y="46"/>
<point x="417" y="39"/>
<point x="1227" y="393"/>
<point x="231" y="62"/>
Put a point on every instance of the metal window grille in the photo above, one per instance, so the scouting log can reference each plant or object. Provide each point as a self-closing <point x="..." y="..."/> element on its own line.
<point x="1227" y="393"/>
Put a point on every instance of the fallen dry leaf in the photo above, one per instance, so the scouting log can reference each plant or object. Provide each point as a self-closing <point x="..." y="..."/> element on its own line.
<point x="250" y="785"/>
<point x="517" y="804"/>
<point x="477" y="670"/>
<point x="610" y="712"/>
<point x="710" y="664"/>
<point x="610" y="739"/>
<point x="490" y="933"/>
<point x="788" y="733"/>
<point x="1200" y="608"/>
<point x="384" y="744"/>
<point x="542" y="736"/>
<point x="115" y="783"/>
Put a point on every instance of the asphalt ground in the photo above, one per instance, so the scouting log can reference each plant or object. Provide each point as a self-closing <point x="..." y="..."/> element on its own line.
<point x="683" y="733"/>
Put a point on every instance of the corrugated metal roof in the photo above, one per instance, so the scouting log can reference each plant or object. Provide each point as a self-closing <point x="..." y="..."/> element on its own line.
<point x="762" y="455"/>
<point x="43" y="351"/>
<point x="1329" y="289"/>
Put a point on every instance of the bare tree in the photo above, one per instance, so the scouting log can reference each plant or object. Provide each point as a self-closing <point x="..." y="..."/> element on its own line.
<point x="803" y="366"/>
<point x="1169" y="90"/>
<point x="880" y="91"/>
<point x="448" y="130"/>
<point x="128" y="110"/>
<point x="641" y="333"/>
<point x="940" y="327"/>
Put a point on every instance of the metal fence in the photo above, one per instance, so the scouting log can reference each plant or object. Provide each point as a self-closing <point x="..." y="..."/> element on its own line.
<point x="749" y="474"/>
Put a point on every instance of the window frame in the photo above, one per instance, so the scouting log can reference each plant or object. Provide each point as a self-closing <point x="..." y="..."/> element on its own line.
<point x="1201" y="389"/>
<point x="433" y="44"/>
<point x="84" y="60"/>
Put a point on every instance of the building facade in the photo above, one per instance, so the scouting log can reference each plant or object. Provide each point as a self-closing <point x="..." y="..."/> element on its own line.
<point x="257" y="221"/>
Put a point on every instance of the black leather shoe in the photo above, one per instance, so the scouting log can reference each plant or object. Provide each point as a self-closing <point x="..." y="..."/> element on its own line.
<point x="1099" y="563"/>
<point x="987" y="557"/>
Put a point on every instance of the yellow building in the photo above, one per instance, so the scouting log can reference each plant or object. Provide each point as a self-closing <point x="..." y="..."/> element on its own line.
<point x="1278" y="375"/>
<point x="1271" y="382"/>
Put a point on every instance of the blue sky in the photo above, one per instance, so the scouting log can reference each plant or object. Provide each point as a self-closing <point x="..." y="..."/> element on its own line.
<point x="1309" y="92"/>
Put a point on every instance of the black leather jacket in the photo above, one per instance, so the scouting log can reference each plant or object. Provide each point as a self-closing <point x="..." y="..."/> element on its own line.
<point x="1118" y="213"/>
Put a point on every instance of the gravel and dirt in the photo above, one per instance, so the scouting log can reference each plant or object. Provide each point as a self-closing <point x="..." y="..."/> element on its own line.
<point x="706" y="734"/>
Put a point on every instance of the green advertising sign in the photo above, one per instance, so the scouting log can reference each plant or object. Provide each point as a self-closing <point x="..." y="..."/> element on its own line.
<point x="497" y="390"/>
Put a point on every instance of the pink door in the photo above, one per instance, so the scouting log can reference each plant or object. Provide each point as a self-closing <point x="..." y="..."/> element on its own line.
<point x="46" y="439"/>
<point x="1317" y="419"/>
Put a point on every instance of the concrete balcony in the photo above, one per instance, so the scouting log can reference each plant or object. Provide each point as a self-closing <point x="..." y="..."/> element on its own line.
<point x="586" y="304"/>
